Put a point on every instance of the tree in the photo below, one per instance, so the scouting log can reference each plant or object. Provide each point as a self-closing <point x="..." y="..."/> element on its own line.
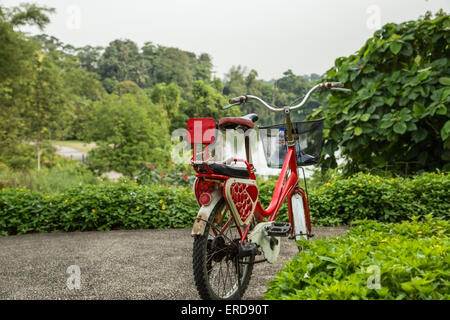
<point x="398" y="115"/>
<point x="169" y="97"/>
<point x="235" y="84"/>
<point x="126" y="87"/>
<point x="149" y="54"/>
<point x="173" y="65"/>
<point x="122" y="61"/>
<point x="129" y="130"/>
<point x="203" y="67"/>
<point x="281" y="92"/>
<point x="314" y="77"/>
<point x="207" y="102"/>
<point x="81" y="87"/>
<point x="15" y="50"/>
<point x="253" y="85"/>
<point x="26" y="14"/>
<point x="89" y="57"/>
<point x="18" y="78"/>
<point x="45" y="103"/>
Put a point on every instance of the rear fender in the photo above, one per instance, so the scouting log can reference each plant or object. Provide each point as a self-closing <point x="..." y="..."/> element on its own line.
<point x="203" y="214"/>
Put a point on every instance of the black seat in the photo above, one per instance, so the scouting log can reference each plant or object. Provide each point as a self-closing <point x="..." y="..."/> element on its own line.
<point x="246" y="122"/>
<point x="223" y="169"/>
<point x="230" y="171"/>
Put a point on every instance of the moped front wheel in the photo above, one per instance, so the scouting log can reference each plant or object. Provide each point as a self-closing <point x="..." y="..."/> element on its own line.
<point x="219" y="273"/>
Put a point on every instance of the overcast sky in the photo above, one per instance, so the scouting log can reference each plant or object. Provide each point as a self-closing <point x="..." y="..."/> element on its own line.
<point x="270" y="36"/>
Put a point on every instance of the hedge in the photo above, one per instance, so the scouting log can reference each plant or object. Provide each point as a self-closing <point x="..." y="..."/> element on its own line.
<point x="410" y="259"/>
<point x="104" y="207"/>
<point x="365" y="196"/>
<point x="130" y="206"/>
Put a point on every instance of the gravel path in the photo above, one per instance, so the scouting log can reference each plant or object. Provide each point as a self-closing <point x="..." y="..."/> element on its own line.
<point x="138" y="264"/>
<point x="70" y="153"/>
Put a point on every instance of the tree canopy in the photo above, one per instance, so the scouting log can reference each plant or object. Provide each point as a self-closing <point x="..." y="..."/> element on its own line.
<point x="398" y="115"/>
<point x="130" y="130"/>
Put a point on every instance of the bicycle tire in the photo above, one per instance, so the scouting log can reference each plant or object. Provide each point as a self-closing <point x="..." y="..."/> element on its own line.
<point x="299" y="217"/>
<point x="200" y="264"/>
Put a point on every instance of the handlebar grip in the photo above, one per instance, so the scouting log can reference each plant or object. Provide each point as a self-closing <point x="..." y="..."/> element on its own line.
<point x="329" y="85"/>
<point x="240" y="99"/>
<point x="341" y="89"/>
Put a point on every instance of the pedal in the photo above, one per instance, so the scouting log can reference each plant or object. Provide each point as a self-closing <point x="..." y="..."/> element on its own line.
<point x="247" y="249"/>
<point x="279" y="229"/>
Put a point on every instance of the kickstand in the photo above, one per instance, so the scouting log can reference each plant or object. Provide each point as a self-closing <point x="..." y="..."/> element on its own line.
<point x="238" y="265"/>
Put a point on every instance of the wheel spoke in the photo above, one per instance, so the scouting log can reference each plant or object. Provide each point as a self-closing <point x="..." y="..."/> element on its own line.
<point x="224" y="273"/>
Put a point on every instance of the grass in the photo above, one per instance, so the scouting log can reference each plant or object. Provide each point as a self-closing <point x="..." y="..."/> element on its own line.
<point x="49" y="180"/>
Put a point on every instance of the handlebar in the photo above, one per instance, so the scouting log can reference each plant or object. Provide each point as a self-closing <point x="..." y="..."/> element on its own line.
<point x="240" y="99"/>
<point x="341" y="89"/>
<point x="329" y="85"/>
<point x="335" y="86"/>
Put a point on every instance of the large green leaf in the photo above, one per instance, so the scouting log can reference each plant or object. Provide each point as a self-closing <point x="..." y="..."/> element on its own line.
<point x="445" y="81"/>
<point x="423" y="75"/>
<point x="395" y="47"/>
<point x="365" y="117"/>
<point x="419" y="135"/>
<point x="418" y="109"/>
<point x="389" y="101"/>
<point x="405" y="115"/>
<point x="445" y="94"/>
<point x="400" y="127"/>
<point x="411" y="126"/>
<point x="358" y="131"/>
<point x="377" y="102"/>
<point x="407" y="50"/>
<point x="445" y="131"/>
<point x="386" y="124"/>
<point x="441" y="110"/>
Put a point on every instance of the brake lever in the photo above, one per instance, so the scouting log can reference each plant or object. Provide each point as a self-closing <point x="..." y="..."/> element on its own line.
<point x="231" y="105"/>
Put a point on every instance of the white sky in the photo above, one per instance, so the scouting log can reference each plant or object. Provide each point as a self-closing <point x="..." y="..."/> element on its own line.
<point x="269" y="36"/>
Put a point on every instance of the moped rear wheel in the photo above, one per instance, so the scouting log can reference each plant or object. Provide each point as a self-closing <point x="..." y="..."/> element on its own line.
<point x="218" y="271"/>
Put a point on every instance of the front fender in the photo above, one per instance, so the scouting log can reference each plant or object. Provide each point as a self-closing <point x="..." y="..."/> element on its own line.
<point x="203" y="214"/>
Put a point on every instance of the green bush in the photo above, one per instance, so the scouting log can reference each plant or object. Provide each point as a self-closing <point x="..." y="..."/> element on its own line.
<point x="412" y="257"/>
<point x="365" y="196"/>
<point x="102" y="207"/>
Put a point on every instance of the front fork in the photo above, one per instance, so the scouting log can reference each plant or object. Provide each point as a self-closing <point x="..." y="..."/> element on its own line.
<point x="299" y="214"/>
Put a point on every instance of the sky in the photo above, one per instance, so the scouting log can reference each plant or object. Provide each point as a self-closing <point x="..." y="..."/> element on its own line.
<point x="270" y="36"/>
